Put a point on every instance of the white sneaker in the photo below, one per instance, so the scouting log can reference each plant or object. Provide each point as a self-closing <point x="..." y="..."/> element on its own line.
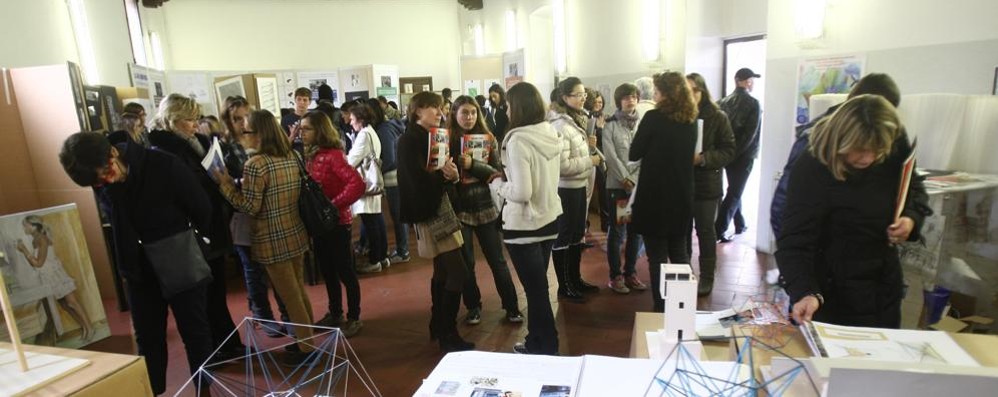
<point x="369" y="268"/>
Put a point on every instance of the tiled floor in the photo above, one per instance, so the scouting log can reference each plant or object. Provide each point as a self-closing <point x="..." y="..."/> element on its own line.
<point x="394" y="345"/>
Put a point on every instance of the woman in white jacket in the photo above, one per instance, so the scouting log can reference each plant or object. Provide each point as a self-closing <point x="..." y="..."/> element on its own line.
<point x="530" y="156"/>
<point x="366" y="144"/>
<point x="569" y="119"/>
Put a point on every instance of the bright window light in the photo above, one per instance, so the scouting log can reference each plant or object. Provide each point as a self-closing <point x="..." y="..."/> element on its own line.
<point x="157" y="51"/>
<point x="135" y="32"/>
<point x="650" y="28"/>
<point x="809" y="19"/>
<point x="479" y="40"/>
<point x="558" y="20"/>
<point x="84" y="45"/>
<point x="511" y="43"/>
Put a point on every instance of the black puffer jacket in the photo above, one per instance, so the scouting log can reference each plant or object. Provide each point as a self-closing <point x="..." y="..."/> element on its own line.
<point x="744" y="113"/>
<point x="718" y="151"/>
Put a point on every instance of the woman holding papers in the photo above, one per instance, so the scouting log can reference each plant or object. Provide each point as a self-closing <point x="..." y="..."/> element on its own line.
<point x="663" y="202"/>
<point x="837" y="253"/>
<point x="177" y="124"/>
<point x="531" y="157"/>
<point x="425" y="192"/>
<point x="569" y="119"/>
<point x="477" y="155"/>
<point x="717" y="150"/>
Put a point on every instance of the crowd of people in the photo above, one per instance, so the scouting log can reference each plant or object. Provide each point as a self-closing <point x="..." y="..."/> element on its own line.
<point x="520" y="175"/>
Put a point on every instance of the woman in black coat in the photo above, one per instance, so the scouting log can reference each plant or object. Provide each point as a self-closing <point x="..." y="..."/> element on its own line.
<point x="178" y="117"/>
<point x="837" y="255"/>
<point x="663" y="205"/>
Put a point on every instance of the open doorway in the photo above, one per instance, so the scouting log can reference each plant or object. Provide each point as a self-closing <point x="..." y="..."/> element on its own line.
<point x="747" y="52"/>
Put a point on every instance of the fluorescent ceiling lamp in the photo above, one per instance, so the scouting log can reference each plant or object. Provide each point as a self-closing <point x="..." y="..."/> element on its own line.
<point x="650" y="29"/>
<point x="558" y="20"/>
<point x="479" y="40"/>
<point x="157" y="51"/>
<point x="511" y="43"/>
<point x="84" y="45"/>
<point x="809" y="19"/>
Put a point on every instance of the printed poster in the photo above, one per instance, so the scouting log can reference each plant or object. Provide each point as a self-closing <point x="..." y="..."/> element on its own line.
<point x="833" y="75"/>
<point x="478" y="147"/>
<point x="438" y="149"/>
<point x="50" y="279"/>
<point x="473" y="88"/>
<point x="312" y="81"/>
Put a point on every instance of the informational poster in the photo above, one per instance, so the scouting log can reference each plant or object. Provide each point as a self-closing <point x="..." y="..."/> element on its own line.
<point x="266" y="88"/>
<point x="196" y="85"/>
<point x="152" y="82"/>
<point x="832" y="75"/>
<point x="312" y="81"/>
<point x="513" y="67"/>
<point x="50" y="279"/>
<point x="157" y="87"/>
<point x="489" y="83"/>
<point x="387" y="80"/>
<point x="232" y="86"/>
<point x="286" y="85"/>
<point x="473" y="88"/>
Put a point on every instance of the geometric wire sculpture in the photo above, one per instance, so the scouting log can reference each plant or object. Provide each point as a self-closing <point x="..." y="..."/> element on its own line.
<point x="682" y="374"/>
<point x="330" y="369"/>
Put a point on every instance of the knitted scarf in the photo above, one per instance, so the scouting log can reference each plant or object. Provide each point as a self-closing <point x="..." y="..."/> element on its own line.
<point x="628" y="120"/>
<point x="578" y="116"/>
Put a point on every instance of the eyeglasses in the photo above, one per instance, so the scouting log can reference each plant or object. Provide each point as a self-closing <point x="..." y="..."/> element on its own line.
<point x="579" y="95"/>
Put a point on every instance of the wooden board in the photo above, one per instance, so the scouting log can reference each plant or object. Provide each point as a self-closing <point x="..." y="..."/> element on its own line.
<point x="42" y="370"/>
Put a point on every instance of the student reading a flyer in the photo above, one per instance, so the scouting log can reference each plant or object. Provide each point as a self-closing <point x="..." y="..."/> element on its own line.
<point x="477" y="160"/>
<point x="837" y="255"/>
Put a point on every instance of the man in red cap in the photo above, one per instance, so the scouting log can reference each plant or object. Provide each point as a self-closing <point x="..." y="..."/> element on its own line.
<point x="744" y="113"/>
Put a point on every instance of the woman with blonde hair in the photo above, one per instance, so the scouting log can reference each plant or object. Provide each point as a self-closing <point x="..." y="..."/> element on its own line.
<point x="177" y="123"/>
<point x="271" y="186"/>
<point x="426" y="204"/>
<point x="837" y="249"/>
<point x="327" y="164"/>
<point x="663" y="202"/>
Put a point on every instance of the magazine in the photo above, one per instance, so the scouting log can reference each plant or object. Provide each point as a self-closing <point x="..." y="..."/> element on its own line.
<point x="907" y="169"/>
<point x="438" y="149"/>
<point x="214" y="160"/>
<point x="881" y="344"/>
<point x="478" y="147"/>
<point x="502" y="374"/>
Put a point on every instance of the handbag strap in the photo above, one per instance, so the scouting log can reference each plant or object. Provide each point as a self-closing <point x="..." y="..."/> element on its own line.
<point x="302" y="171"/>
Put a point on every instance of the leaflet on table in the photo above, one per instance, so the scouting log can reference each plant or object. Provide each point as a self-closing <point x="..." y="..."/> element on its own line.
<point x="478" y="147"/>
<point x="881" y="344"/>
<point x="501" y="374"/>
<point x="214" y="159"/>
<point x="438" y="148"/>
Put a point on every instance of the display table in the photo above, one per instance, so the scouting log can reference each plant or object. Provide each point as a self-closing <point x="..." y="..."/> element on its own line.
<point x="107" y="374"/>
<point x="961" y="243"/>
<point x="984" y="348"/>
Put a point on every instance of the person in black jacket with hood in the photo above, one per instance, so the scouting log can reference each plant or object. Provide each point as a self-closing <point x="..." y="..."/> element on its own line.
<point x="177" y="122"/>
<point x="150" y="195"/>
<point x="837" y="251"/>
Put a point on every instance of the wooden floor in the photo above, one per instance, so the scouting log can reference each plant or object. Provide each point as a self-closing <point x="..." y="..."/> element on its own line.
<point x="394" y="345"/>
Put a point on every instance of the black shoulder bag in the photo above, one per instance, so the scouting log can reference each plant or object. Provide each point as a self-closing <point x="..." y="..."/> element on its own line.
<point x="317" y="211"/>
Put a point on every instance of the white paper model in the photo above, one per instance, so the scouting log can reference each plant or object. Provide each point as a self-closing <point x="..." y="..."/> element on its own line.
<point x="679" y="290"/>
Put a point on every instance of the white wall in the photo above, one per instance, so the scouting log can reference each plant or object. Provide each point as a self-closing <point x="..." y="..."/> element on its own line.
<point x="925" y="47"/>
<point x="39" y="32"/>
<point x="420" y="36"/>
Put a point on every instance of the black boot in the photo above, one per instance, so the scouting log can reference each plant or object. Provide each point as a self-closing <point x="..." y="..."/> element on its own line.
<point x="565" y="288"/>
<point x="705" y="284"/>
<point x="435" y="306"/>
<point x="575" y="270"/>
<point x="450" y="340"/>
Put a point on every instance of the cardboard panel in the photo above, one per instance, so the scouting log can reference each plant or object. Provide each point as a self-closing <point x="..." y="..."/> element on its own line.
<point x="18" y="191"/>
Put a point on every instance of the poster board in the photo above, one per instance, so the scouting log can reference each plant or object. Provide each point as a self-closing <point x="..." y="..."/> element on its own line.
<point x="312" y="80"/>
<point x="150" y="83"/>
<point x="386" y="79"/>
<point x="267" y="92"/>
<point x="196" y="85"/>
<point x="513" y="67"/>
<point x="828" y="75"/>
<point x="42" y="295"/>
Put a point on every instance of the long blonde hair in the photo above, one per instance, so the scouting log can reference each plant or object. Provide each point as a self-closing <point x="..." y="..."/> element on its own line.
<point x="865" y="122"/>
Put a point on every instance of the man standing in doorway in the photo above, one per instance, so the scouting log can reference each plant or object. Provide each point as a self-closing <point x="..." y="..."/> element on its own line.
<point x="744" y="113"/>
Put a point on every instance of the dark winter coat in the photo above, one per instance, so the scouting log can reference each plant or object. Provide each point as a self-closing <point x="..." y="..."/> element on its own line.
<point x="419" y="190"/>
<point x="744" y="113"/>
<point x="803" y="135"/>
<point x="664" y="202"/>
<point x="389" y="133"/>
<point x="718" y="151"/>
<point x="221" y="211"/>
<point x="160" y="197"/>
<point x="834" y="239"/>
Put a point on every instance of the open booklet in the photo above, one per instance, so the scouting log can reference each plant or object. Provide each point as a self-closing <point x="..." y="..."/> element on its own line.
<point x="477" y="374"/>
<point x="214" y="159"/>
<point x="881" y="344"/>
<point x="907" y="171"/>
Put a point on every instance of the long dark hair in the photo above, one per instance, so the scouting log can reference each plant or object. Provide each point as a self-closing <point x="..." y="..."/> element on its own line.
<point x="565" y="88"/>
<point x="273" y="139"/>
<point x="526" y="105"/>
<point x="452" y="124"/>
<point x="326" y="134"/>
<point x="699" y="84"/>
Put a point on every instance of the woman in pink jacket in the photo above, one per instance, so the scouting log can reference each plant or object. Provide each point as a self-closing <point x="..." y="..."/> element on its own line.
<point x="327" y="164"/>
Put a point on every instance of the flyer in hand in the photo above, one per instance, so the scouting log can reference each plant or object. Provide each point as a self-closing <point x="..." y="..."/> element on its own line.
<point x="438" y="149"/>
<point x="478" y="147"/>
<point x="907" y="171"/>
<point x="214" y="160"/>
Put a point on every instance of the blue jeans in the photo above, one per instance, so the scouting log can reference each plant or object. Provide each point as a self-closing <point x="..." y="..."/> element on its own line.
<point x="376" y="236"/>
<point x="401" y="229"/>
<point x="613" y="240"/>
<point x="491" y="243"/>
<point x="531" y="264"/>
<point x="256" y="287"/>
